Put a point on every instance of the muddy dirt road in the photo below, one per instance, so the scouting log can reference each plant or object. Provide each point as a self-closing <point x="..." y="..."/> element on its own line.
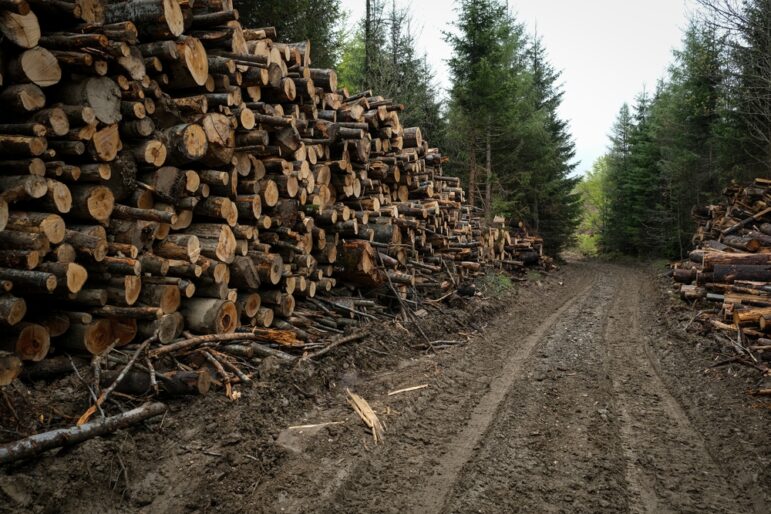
<point x="573" y="397"/>
<point x="568" y="414"/>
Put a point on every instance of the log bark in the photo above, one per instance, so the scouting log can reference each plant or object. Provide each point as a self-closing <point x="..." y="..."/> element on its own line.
<point x="210" y="316"/>
<point x="40" y="443"/>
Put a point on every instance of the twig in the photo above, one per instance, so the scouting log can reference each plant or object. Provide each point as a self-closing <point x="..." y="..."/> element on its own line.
<point x="226" y="361"/>
<point x="218" y="366"/>
<point x="406" y="311"/>
<point x="153" y="379"/>
<point x="348" y="309"/>
<point x="334" y="344"/>
<point x="319" y="425"/>
<point x="96" y="363"/>
<point x="102" y="397"/>
<point x="408" y="390"/>
<point x="88" y="387"/>
<point x="452" y="277"/>
<point x="10" y="405"/>
<point x="440" y="300"/>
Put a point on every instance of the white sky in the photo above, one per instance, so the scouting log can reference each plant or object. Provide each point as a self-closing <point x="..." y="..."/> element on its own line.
<point x="607" y="49"/>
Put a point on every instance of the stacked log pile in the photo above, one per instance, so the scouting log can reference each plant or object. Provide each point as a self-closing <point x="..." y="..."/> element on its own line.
<point x="731" y="268"/>
<point x="167" y="172"/>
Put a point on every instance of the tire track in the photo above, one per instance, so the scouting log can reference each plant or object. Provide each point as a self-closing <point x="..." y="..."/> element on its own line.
<point x="668" y="466"/>
<point x="555" y="444"/>
<point x="433" y="493"/>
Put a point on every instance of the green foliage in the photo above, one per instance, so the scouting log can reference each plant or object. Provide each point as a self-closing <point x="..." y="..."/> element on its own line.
<point x="495" y="283"/>
<point x="389" y="65"/>
<point x="593" y="207"/>
<point x="507" y="140"/>
<point x="678" y="148"/>
<point x="297" y="20"/>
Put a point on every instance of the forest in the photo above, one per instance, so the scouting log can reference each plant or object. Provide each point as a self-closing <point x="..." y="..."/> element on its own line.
<point x="707" y="123"/>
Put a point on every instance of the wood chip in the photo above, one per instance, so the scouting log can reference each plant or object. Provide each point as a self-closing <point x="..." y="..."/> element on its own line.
<point x="319" y="425"/>
<point x="407" y="390"/>
<point x="365" y="412"/>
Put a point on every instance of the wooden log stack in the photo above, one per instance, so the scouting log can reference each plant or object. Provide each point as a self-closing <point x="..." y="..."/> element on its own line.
<point x="731" y="267"/>
<point x="165" y="169"/>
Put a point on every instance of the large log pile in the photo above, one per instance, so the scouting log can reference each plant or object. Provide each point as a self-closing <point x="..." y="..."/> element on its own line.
<point x="731" y="268"/>
<point x="167" y="172"/>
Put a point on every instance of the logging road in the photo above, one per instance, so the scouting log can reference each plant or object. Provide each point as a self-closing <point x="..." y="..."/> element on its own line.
<point x="574" y="397"/>
<point x="566" y="414"/>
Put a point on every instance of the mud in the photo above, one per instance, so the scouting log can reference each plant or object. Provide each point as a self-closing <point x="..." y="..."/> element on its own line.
<point x="578" y="392"/>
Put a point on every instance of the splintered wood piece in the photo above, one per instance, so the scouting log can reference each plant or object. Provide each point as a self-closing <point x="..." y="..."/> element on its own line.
<point x="365" y="412"/>
<point x="407" y="390"/>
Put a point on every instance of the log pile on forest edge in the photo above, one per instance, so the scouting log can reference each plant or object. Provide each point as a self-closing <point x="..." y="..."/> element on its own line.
<point x="171" y="177"/>
<point x="731" y="269"/>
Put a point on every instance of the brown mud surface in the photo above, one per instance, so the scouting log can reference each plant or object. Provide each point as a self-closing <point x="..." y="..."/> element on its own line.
<point x="579" y="393"/>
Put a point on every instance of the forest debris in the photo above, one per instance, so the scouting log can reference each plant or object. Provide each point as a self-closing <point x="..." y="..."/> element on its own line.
<point x="317" y="425"/>
<point x="407" y="390"/>
<point x="39" y="443"/>
<point x="731" y="267"/>
<point x="365" y="412"/>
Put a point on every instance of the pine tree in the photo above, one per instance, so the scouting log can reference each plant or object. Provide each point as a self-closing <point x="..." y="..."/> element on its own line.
<point x="618" y="229"/>
<point x="555" y="207"/>
<point x="486" y="68"/>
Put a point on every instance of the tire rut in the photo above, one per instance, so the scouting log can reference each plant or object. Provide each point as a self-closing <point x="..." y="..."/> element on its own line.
<point x="431" y="496"/>
<point x="593" y="427"/>
<point x="555" y="444"/>
<point x="668" y="466"/>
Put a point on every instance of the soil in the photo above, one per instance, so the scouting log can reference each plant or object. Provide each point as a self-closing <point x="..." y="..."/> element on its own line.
<point x="579" y="391"/>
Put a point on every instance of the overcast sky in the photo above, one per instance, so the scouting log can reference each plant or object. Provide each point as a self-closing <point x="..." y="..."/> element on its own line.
<point x="607" y="50"/>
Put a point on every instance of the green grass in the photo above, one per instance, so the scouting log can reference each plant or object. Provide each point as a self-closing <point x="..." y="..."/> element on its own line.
<point x="496" y="283"/>
<point x="588" y="245"/>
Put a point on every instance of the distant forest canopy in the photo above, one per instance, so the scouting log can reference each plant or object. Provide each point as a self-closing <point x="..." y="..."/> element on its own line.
<point x="498" y="123"/>
<point x="706" y="123"/>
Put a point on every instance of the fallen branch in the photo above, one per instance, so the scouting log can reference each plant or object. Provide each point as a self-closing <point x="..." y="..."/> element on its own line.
<point x="39" y="443"/>
<point x="334" y="344"/>
<point x="192" y="342"/>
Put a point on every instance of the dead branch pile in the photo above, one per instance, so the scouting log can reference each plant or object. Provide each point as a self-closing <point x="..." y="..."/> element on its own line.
<point x="731" y="269"/>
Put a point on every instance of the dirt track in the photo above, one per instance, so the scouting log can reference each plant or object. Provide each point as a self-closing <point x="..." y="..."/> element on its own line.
<point x="566" y="414"/>
<point x="574" y="399"/>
